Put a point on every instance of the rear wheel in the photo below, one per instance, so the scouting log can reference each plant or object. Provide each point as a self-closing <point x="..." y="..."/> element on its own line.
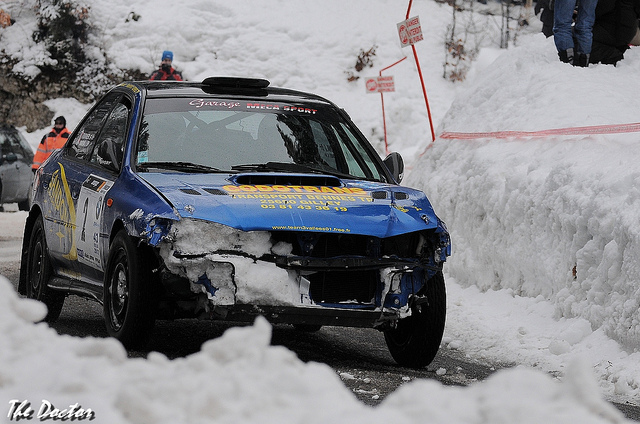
<point x="129" y="311"/>
<point x="416" y="339"/>
<point x="38" y="272"/>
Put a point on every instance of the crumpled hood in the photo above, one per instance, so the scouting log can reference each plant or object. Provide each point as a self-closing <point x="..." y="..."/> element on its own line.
<point x="354" y="207"/>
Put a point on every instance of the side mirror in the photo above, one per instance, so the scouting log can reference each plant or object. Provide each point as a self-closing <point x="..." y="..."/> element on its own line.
<point x="395" y="164"/>
<point x="109" y="155"/>
<point x="10" y="158"/>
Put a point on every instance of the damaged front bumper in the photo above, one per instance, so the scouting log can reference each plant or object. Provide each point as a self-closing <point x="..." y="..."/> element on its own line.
<point x="236" y="275"/>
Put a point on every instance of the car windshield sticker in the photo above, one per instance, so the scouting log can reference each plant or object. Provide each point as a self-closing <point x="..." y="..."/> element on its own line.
<point x="198" y="103"/>
<point x="250" y="106"/>
<point x="88" y="220"/>
<point x="143" y="156"/>
<point x="285" y="108"/>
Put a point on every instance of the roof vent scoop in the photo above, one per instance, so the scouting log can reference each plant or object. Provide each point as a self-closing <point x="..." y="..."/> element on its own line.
<point x="236" y="82"/>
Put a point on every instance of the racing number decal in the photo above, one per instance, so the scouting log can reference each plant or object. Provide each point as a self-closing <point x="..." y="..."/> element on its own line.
<point x="88" y="220"/>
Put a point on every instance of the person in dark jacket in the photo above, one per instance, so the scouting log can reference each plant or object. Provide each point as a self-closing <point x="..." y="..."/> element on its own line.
<point x="545" y="9"/>
<point x="615" y="28"/>
<point x="166" y="71"/>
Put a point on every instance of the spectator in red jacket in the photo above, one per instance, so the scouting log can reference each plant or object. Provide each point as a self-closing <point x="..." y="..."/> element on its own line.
<point x="166" y="71"/>
<point x="56" y="139"/>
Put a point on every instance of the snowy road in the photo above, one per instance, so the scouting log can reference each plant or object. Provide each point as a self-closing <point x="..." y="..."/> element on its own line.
<point x="358" y="356"/>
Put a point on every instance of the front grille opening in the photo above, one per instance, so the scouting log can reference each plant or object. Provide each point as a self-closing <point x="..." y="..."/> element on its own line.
<point x="343" y="286"/>
<point x="403" y="246"/>
<point x="327" y="245"/>
<point x="332" y="245"/>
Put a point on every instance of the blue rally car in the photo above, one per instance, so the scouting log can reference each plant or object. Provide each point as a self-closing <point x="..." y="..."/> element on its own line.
<point x="228" y="199"/>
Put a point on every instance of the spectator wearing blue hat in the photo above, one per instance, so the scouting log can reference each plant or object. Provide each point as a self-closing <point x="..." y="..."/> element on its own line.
<point x="166" y="71"/>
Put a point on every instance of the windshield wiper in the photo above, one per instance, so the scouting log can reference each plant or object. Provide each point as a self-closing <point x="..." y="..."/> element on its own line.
<point x="179" y="166"/>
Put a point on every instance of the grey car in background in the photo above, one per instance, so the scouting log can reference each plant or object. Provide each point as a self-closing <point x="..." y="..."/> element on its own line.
<point x="16" y="157"/>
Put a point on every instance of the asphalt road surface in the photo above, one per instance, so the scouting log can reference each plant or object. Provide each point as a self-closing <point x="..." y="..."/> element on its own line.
<point x="359" y="356"/>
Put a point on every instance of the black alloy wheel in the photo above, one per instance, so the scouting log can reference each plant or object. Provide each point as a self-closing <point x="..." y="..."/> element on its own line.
<point x="129" y="310"/>
<point x="416" y="339"/>
<point x="39" y="271"/>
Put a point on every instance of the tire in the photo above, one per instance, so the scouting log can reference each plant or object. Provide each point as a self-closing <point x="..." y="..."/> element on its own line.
<point x="416" y="339"/>
<point x="128" y="306"/>
<point x="39" y="271"/>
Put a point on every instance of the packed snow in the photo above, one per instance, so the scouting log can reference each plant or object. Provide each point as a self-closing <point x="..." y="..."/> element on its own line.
<point x="544" y="271"/>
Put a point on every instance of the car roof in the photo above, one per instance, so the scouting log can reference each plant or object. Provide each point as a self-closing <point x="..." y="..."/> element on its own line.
<point x="228" y="87"/>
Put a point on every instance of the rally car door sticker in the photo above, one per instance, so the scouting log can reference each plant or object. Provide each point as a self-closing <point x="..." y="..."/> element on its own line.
<point x="62" y="202"/>
<point x="88" y="221"/>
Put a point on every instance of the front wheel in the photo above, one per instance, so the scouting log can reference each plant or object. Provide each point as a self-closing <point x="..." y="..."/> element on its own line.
<point x="129" y="311"/>
<point x="416" y="339"/>
<point x="38" y="272"/>
<point x="307" y="328"/>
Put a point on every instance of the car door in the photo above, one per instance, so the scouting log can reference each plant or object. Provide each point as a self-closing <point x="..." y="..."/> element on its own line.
<point x="8" y="169"/>
<point x="25" y="158"/>
<point x="105" y="164"/>
<point x="67" y="211"/>
<point x="15" y="166"/>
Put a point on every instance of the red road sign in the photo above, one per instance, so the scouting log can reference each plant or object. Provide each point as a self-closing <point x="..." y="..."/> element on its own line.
<point x="380" y="84"/>
<point x="410" y="31"/>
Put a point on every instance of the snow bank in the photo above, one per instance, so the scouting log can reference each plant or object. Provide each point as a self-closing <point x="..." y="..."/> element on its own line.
<point x="239" y="377"/>
<point x="553" y="217"/>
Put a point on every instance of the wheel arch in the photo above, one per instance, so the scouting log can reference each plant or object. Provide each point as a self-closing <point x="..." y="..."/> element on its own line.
<point x="34" y="214"/>
<point x="140" y="242"/>
<point x="115" y="228"/>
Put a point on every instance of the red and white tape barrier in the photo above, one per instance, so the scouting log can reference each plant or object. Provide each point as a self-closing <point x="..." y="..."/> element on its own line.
<point x="596" y="129"/>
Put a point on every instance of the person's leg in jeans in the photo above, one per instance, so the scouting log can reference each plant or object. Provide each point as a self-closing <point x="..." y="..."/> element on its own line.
<point x="562" y="33"/>
<point x="584" y="31"/>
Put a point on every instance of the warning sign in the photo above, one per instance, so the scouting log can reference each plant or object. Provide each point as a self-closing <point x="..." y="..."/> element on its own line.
<point x="380" y="84"/>
<point x="410" y="31"/>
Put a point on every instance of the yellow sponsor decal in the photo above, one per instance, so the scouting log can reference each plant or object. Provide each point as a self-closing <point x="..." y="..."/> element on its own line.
<point x="130" y="87"/>
<point x="354" y="191"/>
<point x="319" y="198"/>
<point x="62" y="202"/>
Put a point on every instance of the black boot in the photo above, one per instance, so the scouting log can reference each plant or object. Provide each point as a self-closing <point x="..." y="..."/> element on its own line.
<point x="566" y="56"/>
<point x="581" y="60"/>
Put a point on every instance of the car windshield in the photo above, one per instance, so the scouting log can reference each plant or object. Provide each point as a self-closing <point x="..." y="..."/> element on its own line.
<point x="11" y="141"/>
<point x="247" y="136"/>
